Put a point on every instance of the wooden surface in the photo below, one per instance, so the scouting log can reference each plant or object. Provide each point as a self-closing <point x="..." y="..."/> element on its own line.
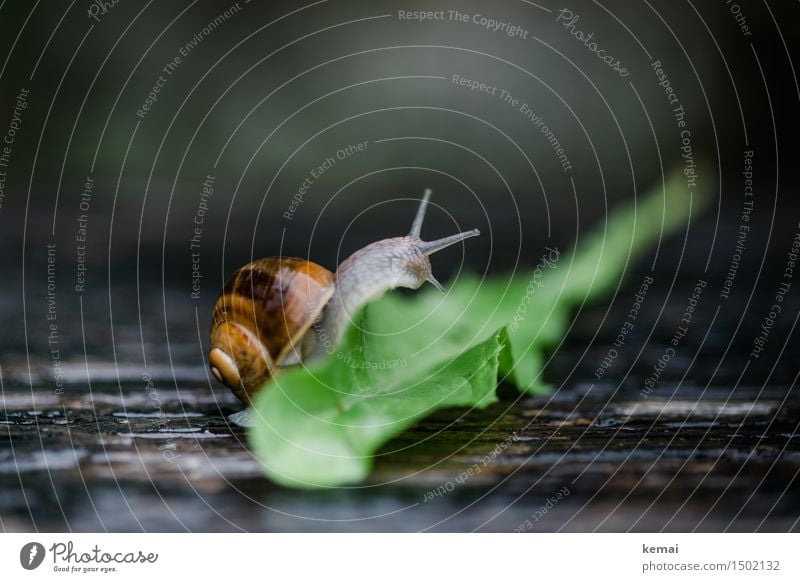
<point x="709" y="449"/>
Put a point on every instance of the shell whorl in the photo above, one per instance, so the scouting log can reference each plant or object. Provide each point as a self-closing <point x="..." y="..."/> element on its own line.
<point x="259" y="318"/>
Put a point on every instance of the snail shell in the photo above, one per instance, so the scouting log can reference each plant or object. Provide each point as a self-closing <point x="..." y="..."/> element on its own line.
<point x="260" y="318"/>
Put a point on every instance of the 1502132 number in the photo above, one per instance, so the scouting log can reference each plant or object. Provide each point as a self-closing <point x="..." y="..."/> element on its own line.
<point x="758" y="565"/>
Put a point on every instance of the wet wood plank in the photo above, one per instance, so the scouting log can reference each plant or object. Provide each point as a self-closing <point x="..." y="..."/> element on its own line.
<point x="664" y="463"/>
<point x="125" y="450"/>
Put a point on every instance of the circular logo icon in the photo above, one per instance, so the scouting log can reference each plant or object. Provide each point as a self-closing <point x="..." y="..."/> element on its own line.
<point x="31" y="555"/>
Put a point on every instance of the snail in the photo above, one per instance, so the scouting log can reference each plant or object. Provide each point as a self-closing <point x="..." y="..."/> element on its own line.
<point x="278" y="312"/>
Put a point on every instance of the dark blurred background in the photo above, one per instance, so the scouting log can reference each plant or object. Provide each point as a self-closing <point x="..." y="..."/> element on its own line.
<point x="261" y="94"/>
<point x="272" y="90"/>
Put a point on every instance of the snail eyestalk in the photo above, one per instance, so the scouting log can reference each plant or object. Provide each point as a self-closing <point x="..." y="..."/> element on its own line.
<point x="428" y="248"/>
<point x="416" y="226"/>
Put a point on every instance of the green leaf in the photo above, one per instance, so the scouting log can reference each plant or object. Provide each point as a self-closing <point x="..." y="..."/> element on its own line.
<point x="406" y="357"/>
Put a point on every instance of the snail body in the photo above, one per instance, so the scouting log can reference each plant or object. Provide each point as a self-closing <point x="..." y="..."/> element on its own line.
<point x="277" y="312"/>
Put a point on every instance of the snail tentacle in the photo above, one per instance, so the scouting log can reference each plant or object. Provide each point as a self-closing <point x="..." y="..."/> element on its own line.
<point x="416" y="226"/>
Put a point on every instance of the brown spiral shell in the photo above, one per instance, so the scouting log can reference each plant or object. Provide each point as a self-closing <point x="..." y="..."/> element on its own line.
<point x="260" y="317"/>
